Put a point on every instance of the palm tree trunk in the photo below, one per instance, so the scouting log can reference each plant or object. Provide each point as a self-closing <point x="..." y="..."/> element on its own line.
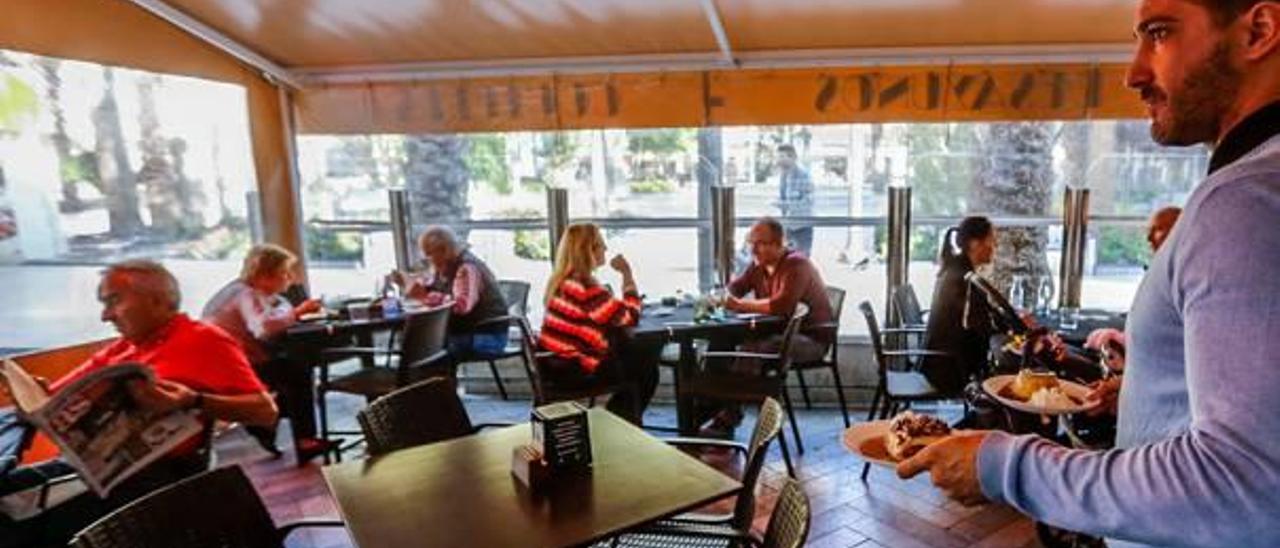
<point x="437" y="180"/>
<point x="118" y="181"/>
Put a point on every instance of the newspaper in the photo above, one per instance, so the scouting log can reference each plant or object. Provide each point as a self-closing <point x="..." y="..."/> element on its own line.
<point x="102" y="432"/>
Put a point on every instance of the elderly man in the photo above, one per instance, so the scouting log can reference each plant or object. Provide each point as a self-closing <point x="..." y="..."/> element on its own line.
<point x="458" y="275"/>
<point x="1109" y="340"/>
<point x="197" y="366"/>
<point x="1197" y="461"/>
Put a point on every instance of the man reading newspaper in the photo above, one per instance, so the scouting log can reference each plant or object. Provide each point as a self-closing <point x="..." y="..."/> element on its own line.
<point x="196" y="367"/>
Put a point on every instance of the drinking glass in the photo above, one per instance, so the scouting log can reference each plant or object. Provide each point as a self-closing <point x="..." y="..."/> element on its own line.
<point x="1044" y="300"/>
<point x="1069" y="318"/>
<point x="1017" y="294"/>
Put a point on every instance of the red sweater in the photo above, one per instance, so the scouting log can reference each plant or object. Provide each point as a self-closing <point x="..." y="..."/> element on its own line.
<point x="579" y="317"/>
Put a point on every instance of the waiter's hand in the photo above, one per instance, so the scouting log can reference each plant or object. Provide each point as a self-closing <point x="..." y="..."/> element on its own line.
<point x="163" y="396"/>
<point x="953" y="464"/>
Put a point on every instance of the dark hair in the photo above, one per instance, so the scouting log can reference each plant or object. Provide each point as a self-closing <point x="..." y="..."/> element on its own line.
<point x="774" y="226"/>
<point x="958" y="238"/>
<point x="1226" y="11"/>
<point x="787" y="149"/>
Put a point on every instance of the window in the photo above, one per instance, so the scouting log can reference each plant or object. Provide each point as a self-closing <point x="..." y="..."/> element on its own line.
<point x="99" y="164"/>
<point x="647" y="188"/>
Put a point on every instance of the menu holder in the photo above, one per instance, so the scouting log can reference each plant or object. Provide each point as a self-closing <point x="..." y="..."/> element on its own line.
<point x="562" y="436"/>
<point x="528" y="467"/>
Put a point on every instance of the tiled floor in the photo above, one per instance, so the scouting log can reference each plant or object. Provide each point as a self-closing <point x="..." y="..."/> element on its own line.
<point x="884" y="511"/>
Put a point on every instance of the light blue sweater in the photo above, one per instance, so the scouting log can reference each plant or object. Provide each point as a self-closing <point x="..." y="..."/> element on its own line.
<point x="1197" y="461"/>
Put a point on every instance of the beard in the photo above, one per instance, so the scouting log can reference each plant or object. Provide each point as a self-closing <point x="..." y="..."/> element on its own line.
<point x="1193" y="114"/>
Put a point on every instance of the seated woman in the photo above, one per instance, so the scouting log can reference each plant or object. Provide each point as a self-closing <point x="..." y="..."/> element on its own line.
<point x="959" y="323"/>
<point x="460" y="276"/>
<point x="584" y="322"/>
<point x="253" y="312"/>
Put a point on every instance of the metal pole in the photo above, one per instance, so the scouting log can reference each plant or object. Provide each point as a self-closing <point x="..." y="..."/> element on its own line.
<point x="400" y="228"/>
<point x="253" y="205"/>
<point x="722" y="229"/>
<point x="557" y="216"/>
<point x="899" y="246"/>
<point x="1075" y="226"/>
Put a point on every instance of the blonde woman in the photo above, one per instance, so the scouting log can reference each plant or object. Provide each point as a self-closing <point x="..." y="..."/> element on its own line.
<point x="252" y="310"/>
<point x="585" y="324"/>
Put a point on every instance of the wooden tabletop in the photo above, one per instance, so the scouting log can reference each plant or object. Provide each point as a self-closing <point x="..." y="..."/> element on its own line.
<point x="462" y="493"/>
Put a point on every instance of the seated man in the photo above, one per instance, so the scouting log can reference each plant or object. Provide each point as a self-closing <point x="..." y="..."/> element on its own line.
<point x="462" y="277"/>
<point x="777" y="280"/>
<point x="197" y="366"/>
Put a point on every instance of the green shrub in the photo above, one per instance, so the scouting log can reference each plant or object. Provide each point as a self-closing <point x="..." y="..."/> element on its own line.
<point x="330" y="245"/>
<point x="652" y="186"/>
<point x="1119" y="246"/>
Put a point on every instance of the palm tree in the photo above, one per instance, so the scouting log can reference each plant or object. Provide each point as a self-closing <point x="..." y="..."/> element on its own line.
<point x="437" y="179"/>
<point x="118" y="181"/>
<point x="68" y="165"/>
<point x="1013" y="176"/>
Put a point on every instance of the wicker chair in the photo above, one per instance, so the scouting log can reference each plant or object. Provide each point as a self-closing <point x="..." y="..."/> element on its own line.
<point x="516" y="293"/>
<point x="768" y="425"/>
<point x="788" y="528"/>
<point x="421" y="354"/>
<point x="216" y="509"/>
<point x="831" y="360"/>
<point x="727" y="386"/>
<point x="418" y="414"/>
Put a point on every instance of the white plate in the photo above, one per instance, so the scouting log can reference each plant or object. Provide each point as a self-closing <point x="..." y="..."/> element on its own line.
<point x="996" y="385"/>
<point x="867" y="441"/>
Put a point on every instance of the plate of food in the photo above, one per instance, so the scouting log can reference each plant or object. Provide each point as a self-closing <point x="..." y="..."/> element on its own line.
<point x="889" y="442"/>
<point x="1039" y="392"/>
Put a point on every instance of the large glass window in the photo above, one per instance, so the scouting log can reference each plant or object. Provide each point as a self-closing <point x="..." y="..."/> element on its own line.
<point x="649" y="189"/>
<point x="99" y="164"/>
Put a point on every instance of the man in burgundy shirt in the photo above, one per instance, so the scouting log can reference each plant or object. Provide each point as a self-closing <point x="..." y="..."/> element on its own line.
<point x="196" y="366"/>
<point x="777" y="280"/>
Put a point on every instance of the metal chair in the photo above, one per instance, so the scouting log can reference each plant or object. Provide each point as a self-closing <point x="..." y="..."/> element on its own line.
<point x="684" y="526"/>
<point x="418" y="414"/>
<point x="216" y="509"/>
<point x="516" y="294"/>
<point x="545" y="391"/>
<point x="788" y="528"/>
<point x="897" y="387"/>
<point x="831" y="360"/>
<point x="724" y="385"/>
<point x="421" y="354"/>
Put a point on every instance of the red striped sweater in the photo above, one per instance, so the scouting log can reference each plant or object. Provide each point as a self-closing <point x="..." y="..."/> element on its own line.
<point x="579" y="317"/>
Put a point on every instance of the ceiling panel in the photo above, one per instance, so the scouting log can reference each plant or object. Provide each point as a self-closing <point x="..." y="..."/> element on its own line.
<point x="313" y="33"/>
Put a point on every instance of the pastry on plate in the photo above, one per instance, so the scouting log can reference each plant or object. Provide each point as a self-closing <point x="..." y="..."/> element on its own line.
<point x="910" y="432"/>
<point x="1030" y="381"/>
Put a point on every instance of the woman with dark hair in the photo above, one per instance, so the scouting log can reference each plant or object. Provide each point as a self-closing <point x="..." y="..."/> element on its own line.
<point x="959" y="323"/>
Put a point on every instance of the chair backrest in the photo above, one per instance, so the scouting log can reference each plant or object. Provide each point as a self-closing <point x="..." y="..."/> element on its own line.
<point x="788" y="335"/>
<point x="218" y="508"/>
<point x="904" y="298"/>
<point x="835" y="296"/>
<point x="873" y="330"/>
<point x="789" y="523"/>
<point x="418" y="414"/>
<point x="529" y="346"/>
<point x="768" y="425"/>
<point x="425" y="334"/>
<point x="516" y="293"/>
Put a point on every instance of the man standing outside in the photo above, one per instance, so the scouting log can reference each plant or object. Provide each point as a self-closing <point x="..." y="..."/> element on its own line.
<point x="795" y="198"/>
<point x="1197" y="458"/>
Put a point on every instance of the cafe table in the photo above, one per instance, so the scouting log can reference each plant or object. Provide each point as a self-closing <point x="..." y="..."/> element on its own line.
<point x="677" y="324"/>
<point x="1089" y="319"/>
<point x="462" y="493"/>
